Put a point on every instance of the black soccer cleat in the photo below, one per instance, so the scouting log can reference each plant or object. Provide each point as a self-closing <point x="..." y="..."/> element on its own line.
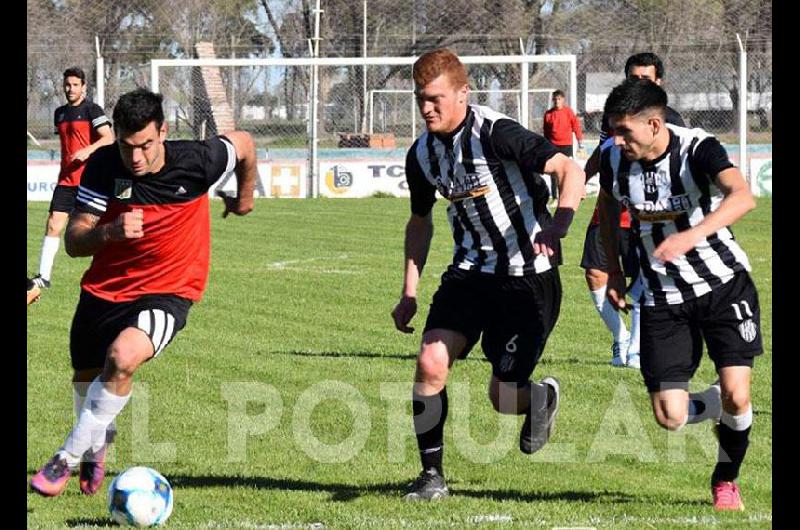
<point x="40" y="282"/>
<point x="538" y="425"/>
<point x="428" y="486"/>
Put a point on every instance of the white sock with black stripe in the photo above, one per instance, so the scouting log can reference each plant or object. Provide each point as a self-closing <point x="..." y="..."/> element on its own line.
<point x="79" y="390"/>
<point x="98" y="412"/>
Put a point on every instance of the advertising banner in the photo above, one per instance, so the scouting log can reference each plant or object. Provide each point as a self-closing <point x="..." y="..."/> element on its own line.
<point x="362" y="178"/>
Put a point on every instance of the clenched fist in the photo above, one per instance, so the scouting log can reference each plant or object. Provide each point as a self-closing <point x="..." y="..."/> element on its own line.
<point x="129" y="225"/>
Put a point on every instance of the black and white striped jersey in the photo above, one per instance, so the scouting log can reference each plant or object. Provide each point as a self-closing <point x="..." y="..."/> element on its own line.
<point x="490" y="170"/>
<point x="668" y="195"/>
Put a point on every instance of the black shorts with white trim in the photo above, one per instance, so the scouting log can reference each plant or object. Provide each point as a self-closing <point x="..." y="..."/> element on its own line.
<point x="98" y="322"/>
<point x="728" y="319"/>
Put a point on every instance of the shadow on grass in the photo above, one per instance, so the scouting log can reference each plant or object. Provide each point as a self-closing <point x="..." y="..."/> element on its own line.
<point x="91" y="521"/>
<point x="339" y="492"/>
<point x="474" y="356"/>
<point x="604" y="497"/>
<point x="370" y="355"/>
<point x="347" y="492"/>
<point x="361" y="355"/>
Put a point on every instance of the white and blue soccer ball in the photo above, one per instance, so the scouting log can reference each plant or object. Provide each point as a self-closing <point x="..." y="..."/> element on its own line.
<point x="140" y="496"/>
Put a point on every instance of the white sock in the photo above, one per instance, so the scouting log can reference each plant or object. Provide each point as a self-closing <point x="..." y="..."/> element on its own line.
<point x="636" y="319"/>
<point x="49" y="251"/>
<point x="78" y="399"/>
<point x="740" y="422"/>
<point x="612" y="319"/>
<point x="99" y="410"/>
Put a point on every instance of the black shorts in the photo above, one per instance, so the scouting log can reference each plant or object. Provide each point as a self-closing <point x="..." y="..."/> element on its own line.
<point x="565" y="149"/>
<point x="594" y="254"/>
<point x="63" y="198"/>
<point x="98" y="322"/>
<point x="514" y="314"/>
<point x="728" y="319"/>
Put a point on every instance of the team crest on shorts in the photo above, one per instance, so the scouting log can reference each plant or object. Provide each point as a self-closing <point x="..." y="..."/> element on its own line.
<point x="748" y="330"/>
<point x="506" y="363"/>
<point x="123" y="188"/>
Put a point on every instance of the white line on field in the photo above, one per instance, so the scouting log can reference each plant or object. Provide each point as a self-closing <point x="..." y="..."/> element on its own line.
<point x="478" y="519"/>
<point x="279" y="265"/>
<point x="319" y="270"/>
<point x="264" y="526"/>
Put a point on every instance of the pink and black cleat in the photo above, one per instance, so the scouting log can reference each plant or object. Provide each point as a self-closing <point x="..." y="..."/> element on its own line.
<point x="727" y="496"/>
<point x="52" y="479"/>
<point x="92" y="471"/>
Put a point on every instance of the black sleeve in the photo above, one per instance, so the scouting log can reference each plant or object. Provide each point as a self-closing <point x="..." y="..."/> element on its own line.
<point x="674" y="117"/>
<point x="605" y="129"/>
<point x="709" y="158"/>
<point x="218" y="157"/>
<point x="95" y="190"/>
<point x="606" y="173"/>
<point x="512" y="141"/>
<point x="97" y="116"/>
<point x="423" y="193"/>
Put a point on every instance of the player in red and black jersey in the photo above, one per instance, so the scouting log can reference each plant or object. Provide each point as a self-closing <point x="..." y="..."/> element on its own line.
<point x="83" y="128"/>
<point x="142" y="212"/>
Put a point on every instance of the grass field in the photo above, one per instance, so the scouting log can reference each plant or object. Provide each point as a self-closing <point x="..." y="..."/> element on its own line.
<point x="284" y="401"/>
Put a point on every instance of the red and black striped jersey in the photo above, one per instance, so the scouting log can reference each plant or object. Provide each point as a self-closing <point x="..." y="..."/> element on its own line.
<point x="77" y="127"/>
<point x="173" y="255"/>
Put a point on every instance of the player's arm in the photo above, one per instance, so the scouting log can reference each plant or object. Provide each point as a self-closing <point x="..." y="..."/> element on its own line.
<point x="608" y="213"/>
<point x="419" y="232"/>
<point x="106" y="134"/>
<point x="85" y="236"/>
<point x="710" y="158"/>
<point x="571" y="180"/>
<point x="535" y="155"/>
<point x="593" y="163"/>
<point x="246" y="174"/>
<point x="417" y="242"/>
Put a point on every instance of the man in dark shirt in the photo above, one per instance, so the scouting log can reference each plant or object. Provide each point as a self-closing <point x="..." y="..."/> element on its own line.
<point x="142" y="213"/>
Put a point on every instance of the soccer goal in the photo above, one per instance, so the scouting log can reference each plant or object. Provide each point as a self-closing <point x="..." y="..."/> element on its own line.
<point x="328" y="125"/>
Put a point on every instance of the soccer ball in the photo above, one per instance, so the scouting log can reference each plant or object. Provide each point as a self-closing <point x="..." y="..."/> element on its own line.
<point x="140" y="496"/>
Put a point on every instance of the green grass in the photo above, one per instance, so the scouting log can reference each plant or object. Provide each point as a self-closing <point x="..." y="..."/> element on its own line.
<point x="296" y="319"/>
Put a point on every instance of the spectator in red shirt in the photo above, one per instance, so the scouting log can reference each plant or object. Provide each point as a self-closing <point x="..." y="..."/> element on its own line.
<point x="559" y="124"/>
